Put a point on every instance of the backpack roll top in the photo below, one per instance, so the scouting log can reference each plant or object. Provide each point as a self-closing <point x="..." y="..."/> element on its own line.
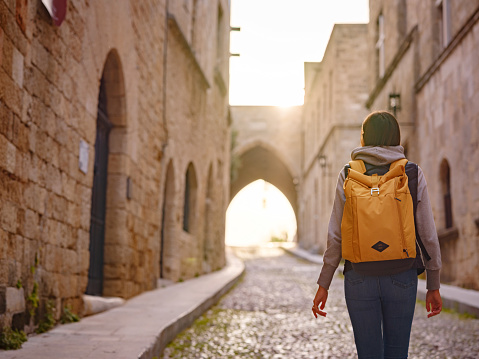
<point x="378" y="217"/>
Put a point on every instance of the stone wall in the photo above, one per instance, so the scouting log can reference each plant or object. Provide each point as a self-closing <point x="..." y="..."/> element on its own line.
<point x="437" y="83"/>
<point x="164" y="86"/>
<point x="336" y="89"/>
<point x="448" y="116"/>
<point x="268" y="145"/>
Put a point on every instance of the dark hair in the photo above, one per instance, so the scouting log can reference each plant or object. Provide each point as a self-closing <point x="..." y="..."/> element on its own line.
<point x="381" y="128"/>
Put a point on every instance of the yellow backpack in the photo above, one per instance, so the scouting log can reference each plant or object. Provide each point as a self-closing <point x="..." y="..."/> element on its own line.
<point x="378" y="218"/>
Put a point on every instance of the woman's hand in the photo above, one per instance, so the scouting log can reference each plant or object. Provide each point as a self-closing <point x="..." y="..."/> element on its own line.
<point x="433" y="302"/>
<point x="320" y="297"/>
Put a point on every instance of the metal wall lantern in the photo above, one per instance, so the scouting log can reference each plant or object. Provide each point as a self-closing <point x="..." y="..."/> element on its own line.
<point x="394" y="102"/>
<point x="322" y="161"/>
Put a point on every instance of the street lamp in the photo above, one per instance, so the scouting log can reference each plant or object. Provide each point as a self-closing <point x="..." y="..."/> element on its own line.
<point x="322" y="161"/>
<point x="394" y="103"/>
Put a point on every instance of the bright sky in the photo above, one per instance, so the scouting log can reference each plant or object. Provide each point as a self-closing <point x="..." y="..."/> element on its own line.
<point x="276" y="38"/>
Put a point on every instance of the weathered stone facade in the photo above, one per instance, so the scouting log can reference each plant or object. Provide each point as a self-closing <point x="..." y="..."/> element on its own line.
<point x="267" y="146"/>
<point x="154" y="74"/>
<point x="426" y="53"/>
<point x="431" y="61"/>
<point x="335" y="92"/>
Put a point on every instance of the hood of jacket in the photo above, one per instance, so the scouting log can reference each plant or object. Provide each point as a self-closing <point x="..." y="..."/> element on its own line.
<point x="378" y="155"/>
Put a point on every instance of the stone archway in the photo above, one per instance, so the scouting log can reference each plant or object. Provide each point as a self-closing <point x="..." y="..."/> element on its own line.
<point x="262" y="162"/>
<point x="266" y="140"/>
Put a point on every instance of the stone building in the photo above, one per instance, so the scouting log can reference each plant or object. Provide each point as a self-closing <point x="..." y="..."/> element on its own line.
<point x="267" y="146"/>
<point x="335" y="93"/>
<point x="418" y="59"/>
<point x="114" y="149"/>
<point x="426" y="55"/>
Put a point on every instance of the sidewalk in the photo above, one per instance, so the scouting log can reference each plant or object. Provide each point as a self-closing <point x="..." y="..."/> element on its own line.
<point x="141" y="328"/>
<point x="460" y="299"/>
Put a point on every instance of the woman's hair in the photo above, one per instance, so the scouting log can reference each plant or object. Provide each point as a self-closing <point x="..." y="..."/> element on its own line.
<point x="381" y="128"/>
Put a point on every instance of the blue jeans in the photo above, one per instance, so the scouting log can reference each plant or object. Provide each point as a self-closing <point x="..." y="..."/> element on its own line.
<point x="381" y="310"/>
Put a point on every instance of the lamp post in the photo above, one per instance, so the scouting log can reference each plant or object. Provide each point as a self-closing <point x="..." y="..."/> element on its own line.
<point x="394" y="103"/>
<point x="322" y="161"/>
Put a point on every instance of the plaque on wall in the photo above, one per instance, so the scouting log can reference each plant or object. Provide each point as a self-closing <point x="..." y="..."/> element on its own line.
<point x="83" y="160"/>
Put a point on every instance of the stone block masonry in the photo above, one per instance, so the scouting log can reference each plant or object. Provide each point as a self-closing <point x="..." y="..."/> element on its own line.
<point x="124" y="61"/>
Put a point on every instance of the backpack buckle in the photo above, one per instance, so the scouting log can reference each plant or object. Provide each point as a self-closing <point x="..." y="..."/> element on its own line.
<point x="375" y="192"/>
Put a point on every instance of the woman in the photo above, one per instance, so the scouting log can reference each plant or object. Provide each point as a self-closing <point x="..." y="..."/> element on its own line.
<point x="381" y="302"/>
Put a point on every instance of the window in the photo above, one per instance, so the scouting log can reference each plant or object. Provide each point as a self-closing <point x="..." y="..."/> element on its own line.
<point x="446" y="192"/>
<point x="402" y="19"/>
<point x="194" y="15"/>
<point x="324" y="104"/>
<point x="380" y="46"/>
<point x="444" y="20"/>
<point x="318" y="120"/>
<point x="330" y="84"/>
<point x="190" y="199"/>
<point x="220" y="36"/>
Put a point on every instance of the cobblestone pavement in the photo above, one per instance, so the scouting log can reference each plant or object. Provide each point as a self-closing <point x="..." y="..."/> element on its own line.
<point x="268" y="315"/>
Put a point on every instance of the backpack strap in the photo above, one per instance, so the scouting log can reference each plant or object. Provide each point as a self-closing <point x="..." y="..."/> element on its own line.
<point x="413" y="174"/>
<point x="358" y="165"/>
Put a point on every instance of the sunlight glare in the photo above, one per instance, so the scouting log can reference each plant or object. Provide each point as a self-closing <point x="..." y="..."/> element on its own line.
<point x="276" y="38"/>
<point x="257" y="213"/>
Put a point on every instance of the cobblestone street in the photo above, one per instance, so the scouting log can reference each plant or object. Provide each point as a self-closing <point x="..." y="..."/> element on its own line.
<point x="267" y="315"/>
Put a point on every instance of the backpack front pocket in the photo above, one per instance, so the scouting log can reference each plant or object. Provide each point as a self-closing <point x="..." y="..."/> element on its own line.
<point x="379" y="230"/>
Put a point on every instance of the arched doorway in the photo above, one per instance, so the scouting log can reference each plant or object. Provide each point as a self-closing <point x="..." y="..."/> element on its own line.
<point x="98" y="197"/>
<point x="108" y="235"/>
<point x="167" y="245"/>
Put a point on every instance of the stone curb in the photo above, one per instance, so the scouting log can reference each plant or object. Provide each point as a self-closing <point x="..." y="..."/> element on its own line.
<point x="184" y="321"/>
<point x="456" y="298"/>
<point x="141" y="328"/>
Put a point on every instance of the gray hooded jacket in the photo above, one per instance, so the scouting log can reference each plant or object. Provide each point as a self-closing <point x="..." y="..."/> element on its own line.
<point x="379" y="156"/>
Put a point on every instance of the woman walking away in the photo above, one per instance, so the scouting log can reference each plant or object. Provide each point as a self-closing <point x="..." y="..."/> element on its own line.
<point x="382" y="225"/>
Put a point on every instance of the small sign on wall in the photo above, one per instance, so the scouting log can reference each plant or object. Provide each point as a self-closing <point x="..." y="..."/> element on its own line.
<point x="83" y="157"/>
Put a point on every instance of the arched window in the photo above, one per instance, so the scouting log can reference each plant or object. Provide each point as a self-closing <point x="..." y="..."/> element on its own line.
<point x="168" y="259"/>
<point x="190" y="199"/>
<point x="209" y="244"/>
<point x="446" y="192"/>
<point x="381" y="68"/>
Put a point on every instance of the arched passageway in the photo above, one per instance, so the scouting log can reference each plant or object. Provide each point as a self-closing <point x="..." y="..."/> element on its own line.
<point x="260" y="213"/>
<point x="261" y="162"/>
